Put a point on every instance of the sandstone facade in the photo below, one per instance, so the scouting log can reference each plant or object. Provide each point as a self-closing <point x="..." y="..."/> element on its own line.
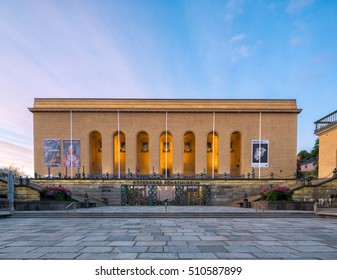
<point x="145" y="136"/>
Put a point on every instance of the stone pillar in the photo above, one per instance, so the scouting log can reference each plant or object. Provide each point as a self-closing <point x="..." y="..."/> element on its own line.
<point x="11" y="191"/>
<point x="224" y="153"/>
<point x="131" y="152"/>
<point x="178" y="165"/>
<point x="200" y="152"/>
<point x="107" y="153"/>
<point x="154" y="152"/>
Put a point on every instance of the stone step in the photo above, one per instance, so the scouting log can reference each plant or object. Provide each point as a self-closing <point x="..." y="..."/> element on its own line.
<point x="4" y="213"/>
<point x="129" y="215"/>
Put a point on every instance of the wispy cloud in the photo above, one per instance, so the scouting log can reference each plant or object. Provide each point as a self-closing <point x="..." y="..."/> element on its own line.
<point x="18" y="149"/>
<point x="240" y="51"/>
<point x="18" y="155"/>
<point x="298" y="5"/>
<point x="237" y="48"/>
<point x="154" y="49"/>
<point x="233" y="8"/>
<point x="62" y="64"/>
<point x="238" y="37"/>
<point x="45" y="52"/>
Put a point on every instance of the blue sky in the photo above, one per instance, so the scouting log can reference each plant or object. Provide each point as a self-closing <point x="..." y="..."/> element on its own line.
<point x="164" y="49"/>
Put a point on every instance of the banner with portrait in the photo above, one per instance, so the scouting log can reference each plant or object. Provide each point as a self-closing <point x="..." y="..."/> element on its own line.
<point x="52" y="152"/>
<point x="260" y="153"/>
<point x="71" y="153"/>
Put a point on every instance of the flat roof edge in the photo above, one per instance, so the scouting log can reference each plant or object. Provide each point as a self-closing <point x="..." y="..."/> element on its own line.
<point x="96" y="104"/>
<point x="297" y="111"/>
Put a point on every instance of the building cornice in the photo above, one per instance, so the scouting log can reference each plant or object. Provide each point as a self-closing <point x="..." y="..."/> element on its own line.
<point x="164" y="105"/>
<point x="325" y="130"/>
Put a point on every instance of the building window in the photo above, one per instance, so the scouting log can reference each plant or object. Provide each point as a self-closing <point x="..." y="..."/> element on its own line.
<point x="166" y="147"/>
<point x="209" y="147"/>
<point x="187" y="148"/>
<point x="122" y="147"/>
<point x="145" y="147"/>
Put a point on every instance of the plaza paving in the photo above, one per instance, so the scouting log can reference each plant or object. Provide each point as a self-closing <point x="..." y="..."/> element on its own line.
<point x="168" y="238"/>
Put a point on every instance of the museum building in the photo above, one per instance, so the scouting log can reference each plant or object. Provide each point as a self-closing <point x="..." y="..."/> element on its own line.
<point x="169" y="137"/>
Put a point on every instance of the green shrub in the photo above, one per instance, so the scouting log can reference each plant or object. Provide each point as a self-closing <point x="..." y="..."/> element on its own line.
<point x="57" y="193"/>
<point x="279" y="193"/>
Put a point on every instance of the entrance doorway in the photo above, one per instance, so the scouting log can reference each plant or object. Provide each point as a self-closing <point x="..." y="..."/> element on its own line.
<point x="235" y="154"/>
<point x="143" y="153"/>
<point x="157" y="194"/>
<point x="212" y="154"/>
<point x="189" y="154"/>
<point x="95" y="146"/>
<point x="119" y="153"/>
<point x="166" y="154"/>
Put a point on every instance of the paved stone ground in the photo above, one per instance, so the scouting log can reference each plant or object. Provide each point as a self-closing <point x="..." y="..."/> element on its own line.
<point x="213" y="238"/>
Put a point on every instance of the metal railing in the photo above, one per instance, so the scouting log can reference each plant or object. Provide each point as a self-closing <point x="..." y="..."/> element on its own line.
<point x="259" y="206"/>
<point x="71" y="204"/>
<point x="92" y="198"/>
<point x="4" y="204"/>
<point x="326" y="121"/>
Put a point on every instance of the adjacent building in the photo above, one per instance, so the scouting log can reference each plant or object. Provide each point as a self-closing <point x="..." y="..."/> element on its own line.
<point x="326" y="130"/>
<point x="308" y="165"/>
<point x="189" y="137"/>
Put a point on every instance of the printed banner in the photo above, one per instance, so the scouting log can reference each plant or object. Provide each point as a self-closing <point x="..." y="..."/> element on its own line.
<point x="52" y="152"/>
<point x="71" y="153"/>
<point x="260" y="153"/>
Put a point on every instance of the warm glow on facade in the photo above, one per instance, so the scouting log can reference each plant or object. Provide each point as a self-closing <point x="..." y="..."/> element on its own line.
<point x="167" y="137"/>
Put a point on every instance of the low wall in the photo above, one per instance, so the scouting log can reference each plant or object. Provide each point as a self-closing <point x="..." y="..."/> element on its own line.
<point x="313" y="193"/>
<point x="223" y="192"/>
<point x="230" y="192"/>
<point x="43" y="205"/>
<point x="285" y="205"/>
<point x="27" y="194"/>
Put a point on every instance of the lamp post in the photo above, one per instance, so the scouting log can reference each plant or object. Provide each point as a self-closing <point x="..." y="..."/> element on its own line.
<point x="11" y="191"/>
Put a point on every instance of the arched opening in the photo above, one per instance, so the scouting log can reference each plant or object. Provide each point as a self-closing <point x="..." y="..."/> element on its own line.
<point x="235" y="154"/>
<point x="119" y="153"/>
<point x="95" y="146"/>
<point x="166" y="154"/>
<point x="189" y="154"/>
<point x="143" y="153"/>
<point x="212" y="154"/>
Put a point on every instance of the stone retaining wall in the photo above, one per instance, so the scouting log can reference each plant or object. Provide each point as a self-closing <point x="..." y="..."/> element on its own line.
<point x="313" y="193"/>
<point x="284" y="205"/>
<point x="43" y="205"/>
<point x="224" y="192"/>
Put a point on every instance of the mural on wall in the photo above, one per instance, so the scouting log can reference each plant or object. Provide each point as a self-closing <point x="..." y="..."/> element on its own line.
<point x="260" y="153"/>
<point x="52" y="152"/>
<point x="71" y="153"/>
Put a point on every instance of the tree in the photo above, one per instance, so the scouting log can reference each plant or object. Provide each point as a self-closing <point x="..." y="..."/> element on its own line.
<point x="315" y="150"/>
<point x="17" y="171"/>
<point x="303" y="154"/>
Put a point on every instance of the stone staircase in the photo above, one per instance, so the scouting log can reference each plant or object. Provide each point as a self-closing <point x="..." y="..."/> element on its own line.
<point x="207" y="214"/>
<point x="102" y="196"/>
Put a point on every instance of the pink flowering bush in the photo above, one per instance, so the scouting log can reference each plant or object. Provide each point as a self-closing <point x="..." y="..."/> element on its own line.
<point x="279" y="193"/>
<point x="55" y="192"/>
